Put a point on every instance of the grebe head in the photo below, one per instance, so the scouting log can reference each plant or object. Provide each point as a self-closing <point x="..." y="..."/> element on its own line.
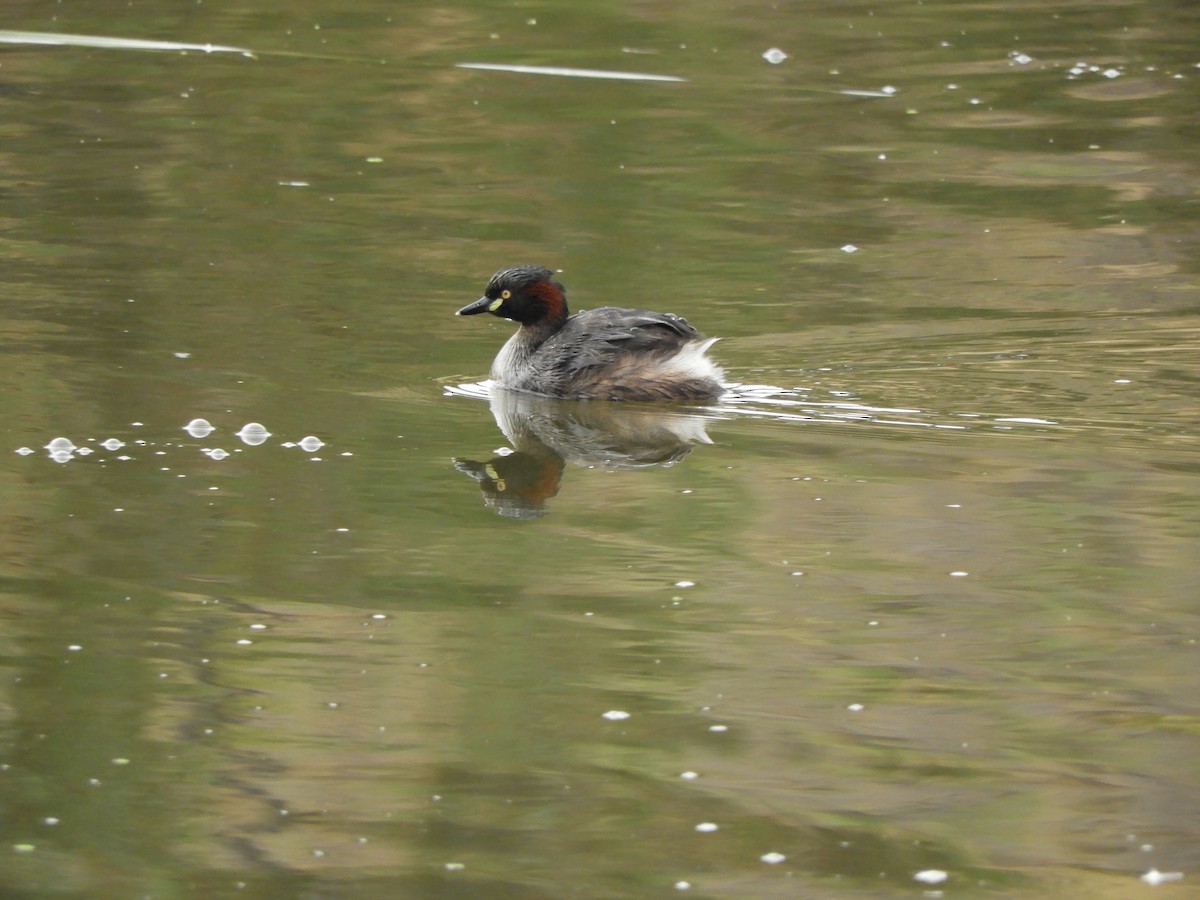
<point x="525" y="294"/>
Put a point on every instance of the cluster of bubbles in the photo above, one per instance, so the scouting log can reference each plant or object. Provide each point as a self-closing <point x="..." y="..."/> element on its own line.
<point x="1083" y="68"/>
<point x="252" y="434"/>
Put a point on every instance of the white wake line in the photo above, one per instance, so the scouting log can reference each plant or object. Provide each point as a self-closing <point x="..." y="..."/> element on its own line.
<point x="47" y="38"/>
<point x="569" y="73"/>
<point x="52" y="39"/>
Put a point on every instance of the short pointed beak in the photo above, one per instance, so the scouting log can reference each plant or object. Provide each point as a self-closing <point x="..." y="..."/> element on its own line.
<point x="473" y="309"/>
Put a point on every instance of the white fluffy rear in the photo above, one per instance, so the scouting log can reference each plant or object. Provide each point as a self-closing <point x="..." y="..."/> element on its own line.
<point x="691" y="362"/>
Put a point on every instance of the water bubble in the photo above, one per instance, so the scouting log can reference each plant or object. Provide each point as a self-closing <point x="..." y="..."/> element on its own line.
<point x="59" y="444"/>
<point x="112" y="444"/>
<point x="931" y="876"/>
<point x="1154" y="877"/>
<point x="774" y="56"/>
<point x="311" y="444"/>
<point x="199" y="428"/>
<point x="616" y="715"/>
<point x="254" y="434"/>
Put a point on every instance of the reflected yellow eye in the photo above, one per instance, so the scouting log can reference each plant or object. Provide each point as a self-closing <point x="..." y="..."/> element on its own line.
<point x="504" y="295"/>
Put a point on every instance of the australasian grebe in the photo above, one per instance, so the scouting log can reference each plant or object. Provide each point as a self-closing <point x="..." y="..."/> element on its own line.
<point x="599" y="354"/>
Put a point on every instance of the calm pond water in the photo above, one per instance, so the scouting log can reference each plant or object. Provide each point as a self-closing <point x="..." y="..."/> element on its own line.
<point x="913" y="612"/>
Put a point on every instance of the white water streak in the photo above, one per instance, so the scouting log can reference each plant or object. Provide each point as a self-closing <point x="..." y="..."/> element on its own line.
<point x="47" y="38"/>
<point x="569" y="73"/>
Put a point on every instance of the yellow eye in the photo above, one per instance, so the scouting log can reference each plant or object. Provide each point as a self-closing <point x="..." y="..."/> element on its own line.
<point x="504" y="295"/>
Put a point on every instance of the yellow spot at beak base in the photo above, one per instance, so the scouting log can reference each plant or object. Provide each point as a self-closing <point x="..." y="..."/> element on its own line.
<point x="495" y="304"/>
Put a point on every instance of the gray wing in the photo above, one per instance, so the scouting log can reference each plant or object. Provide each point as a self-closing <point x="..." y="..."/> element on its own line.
<point x="597" y="337"/>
